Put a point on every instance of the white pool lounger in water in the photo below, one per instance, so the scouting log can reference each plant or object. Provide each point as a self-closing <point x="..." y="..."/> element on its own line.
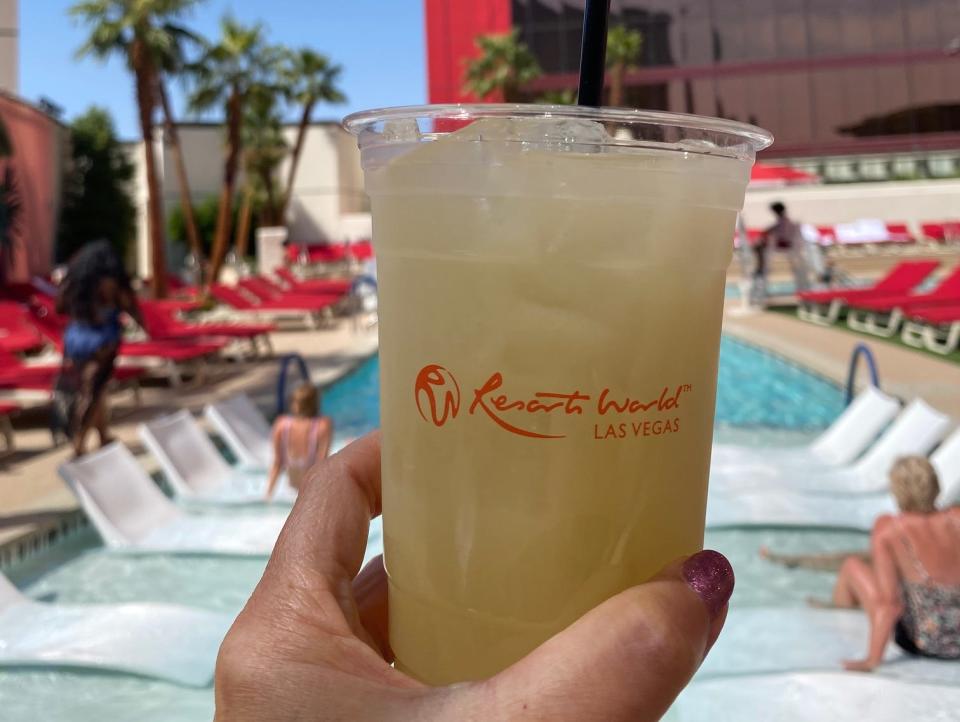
<point x="197" y="471"/>
<point x="243" y="428"/>
<point x="916" y="431"/>
<point x="796" y="509"/>
<point x="769" y="640"/>
<point x="789" y="507"/>
<point x="815" y="697"/>
<point x="165" y="641"/>
<point x="132" y="514"/>
<point x="845" y="440"/>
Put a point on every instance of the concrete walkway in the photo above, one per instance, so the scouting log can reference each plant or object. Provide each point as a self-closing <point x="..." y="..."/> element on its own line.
<point x="827" y="351"/>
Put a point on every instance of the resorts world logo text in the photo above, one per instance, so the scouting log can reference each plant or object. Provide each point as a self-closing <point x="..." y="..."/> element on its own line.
<point x="619" y="416"/>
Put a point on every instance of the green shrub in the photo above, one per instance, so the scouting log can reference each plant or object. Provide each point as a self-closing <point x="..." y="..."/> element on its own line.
<point x="96" y="199"/>
<point x="205" y="213"/>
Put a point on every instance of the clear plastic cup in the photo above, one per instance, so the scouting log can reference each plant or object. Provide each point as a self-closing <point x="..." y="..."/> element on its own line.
<point x="551" y="288"/>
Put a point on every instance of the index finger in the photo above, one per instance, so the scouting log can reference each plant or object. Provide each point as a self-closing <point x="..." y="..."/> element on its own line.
<point x="305" y="603"/>
<point x="328" y="526"/>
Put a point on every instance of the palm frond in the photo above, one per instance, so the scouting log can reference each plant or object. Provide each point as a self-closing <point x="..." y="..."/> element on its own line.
<point x="505" y="64"/>
<point x="623" y="46"/>
<point x="205" y="97"/>
<point x="90" y="8"/>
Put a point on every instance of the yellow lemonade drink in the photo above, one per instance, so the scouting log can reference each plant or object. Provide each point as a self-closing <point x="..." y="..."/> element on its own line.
<point x="549" y="330"/>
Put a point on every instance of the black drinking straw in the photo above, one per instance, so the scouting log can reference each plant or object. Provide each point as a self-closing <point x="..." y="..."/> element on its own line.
<point x="593" y="52"/>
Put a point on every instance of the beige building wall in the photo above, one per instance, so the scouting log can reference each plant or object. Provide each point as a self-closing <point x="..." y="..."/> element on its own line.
<point x="328" y="202"/>
<point x="9" y="46"/>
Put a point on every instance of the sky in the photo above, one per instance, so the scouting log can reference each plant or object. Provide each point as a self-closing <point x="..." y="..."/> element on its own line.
<point x="379" y="43"/>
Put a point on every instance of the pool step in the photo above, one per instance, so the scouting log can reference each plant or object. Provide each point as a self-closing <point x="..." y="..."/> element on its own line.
<point x="37" y="535"/>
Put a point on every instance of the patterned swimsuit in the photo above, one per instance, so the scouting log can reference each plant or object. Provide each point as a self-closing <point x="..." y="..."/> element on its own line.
<point x="930" y="625"/>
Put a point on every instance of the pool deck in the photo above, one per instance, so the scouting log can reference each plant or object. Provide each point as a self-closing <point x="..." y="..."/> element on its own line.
<point x="35" y="503"/>
<point x="827" y="351"/>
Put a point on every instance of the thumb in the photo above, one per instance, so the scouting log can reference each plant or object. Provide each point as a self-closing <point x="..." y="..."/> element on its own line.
<point x="628" y="658"/>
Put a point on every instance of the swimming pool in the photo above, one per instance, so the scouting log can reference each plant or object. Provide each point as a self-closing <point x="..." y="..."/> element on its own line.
<point x="760" y="397"/>
<point x="755" y="389"/>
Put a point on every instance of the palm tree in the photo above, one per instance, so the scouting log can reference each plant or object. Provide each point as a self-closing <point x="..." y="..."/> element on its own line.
<point x="309" y="78"/>
<point x="264" y="149"/>
<point x="225" y="75"/>
<point x="504" y="66"/>
<point x="139" y="31"/>
<point x="172" y="63"/>
<point x="623" y="49"/>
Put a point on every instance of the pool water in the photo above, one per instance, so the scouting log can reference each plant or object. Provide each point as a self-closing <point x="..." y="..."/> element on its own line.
<point x="353" y="402"/>
<point x="760" y="399"/>
<point x="754" y="389"/>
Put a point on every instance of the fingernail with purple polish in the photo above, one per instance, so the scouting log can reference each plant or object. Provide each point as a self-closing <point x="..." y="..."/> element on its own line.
<point x="710" y="575"/>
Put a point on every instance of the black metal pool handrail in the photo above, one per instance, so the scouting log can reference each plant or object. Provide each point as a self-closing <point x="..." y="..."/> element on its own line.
<point x="861" y="349"/>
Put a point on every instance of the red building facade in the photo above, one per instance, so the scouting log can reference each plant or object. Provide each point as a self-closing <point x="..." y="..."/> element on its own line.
<point x="36" y="169"/>
<point x="827" y="77"/>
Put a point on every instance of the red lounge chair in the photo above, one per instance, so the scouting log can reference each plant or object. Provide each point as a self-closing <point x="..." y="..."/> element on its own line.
<point x="309" y="310"/>
<point x="179" y="288"/>
<point x="161" y="324"/>
<point x="322" y="286"/>
<point x="943" y="232"/>
<point x="316" y="253"/>
<point x="899" y="233"/>
<point x="171" y="355"/>
<point x="268" y="292"/>
<point x="16" y="375"/>
<point x="361" y="250"/>
<point x="828" y="236"/>
<point x="18" y="340"/>
<point x="881" y="316"/>
<point x="936" y="328"/>
<point x="329" y="252"/>
<point x="900" y="279"/>
<point x="17" y="334"/>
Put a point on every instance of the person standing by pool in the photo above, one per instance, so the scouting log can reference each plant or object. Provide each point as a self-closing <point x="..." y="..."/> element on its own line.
<point x="753" y="279"/>
<point x="95" y="291"/>
<point x="786" y="235"/>
<point x="301" y="439"/>
<point x="909" y="586"/>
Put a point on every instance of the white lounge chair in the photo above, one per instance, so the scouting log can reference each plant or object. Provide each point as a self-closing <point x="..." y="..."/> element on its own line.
<point x="244" y="430"/>
<point x="132" y="515"/>
<point x="197" y="471"/>
<point x="846" y="438"/>
<point x="946" y="461"/>
<point x="814" y="697"/>
<point x="771" y="640"/>
<point x="165" y="641"/>
<point x="917" y="430"/>
<point x="789" y="507"/>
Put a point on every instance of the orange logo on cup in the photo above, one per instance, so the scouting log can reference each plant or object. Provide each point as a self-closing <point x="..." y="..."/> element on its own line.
<point x="617" y="416"/>
<point x="437" y="391"/>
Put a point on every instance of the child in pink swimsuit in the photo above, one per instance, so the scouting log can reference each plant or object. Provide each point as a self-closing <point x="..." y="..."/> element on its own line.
<point x="300" y="439"/>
